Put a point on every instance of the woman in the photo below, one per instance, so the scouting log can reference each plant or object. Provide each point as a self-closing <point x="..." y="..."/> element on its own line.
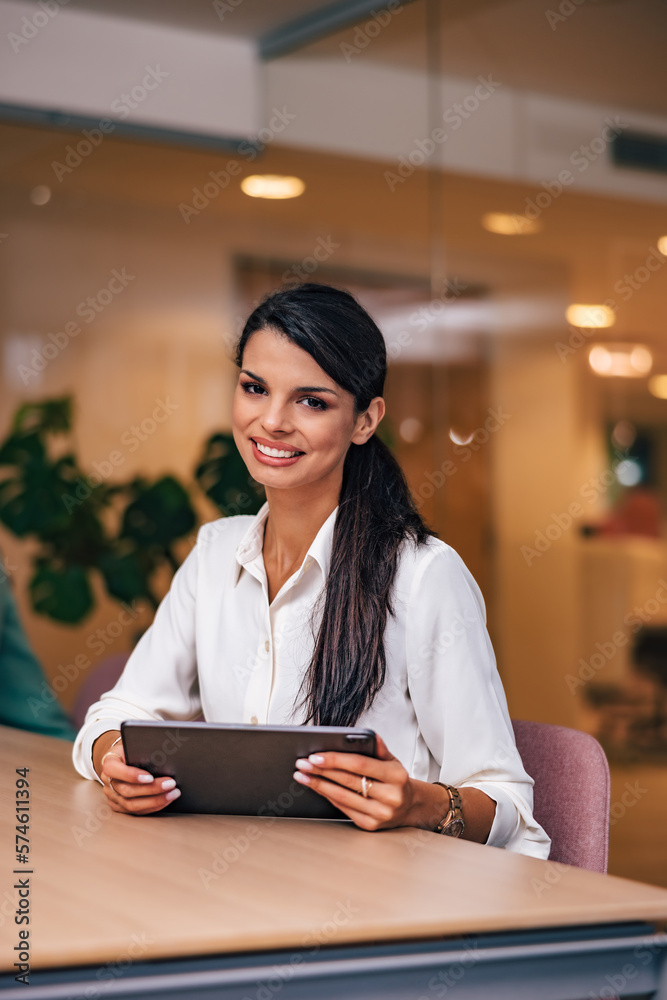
<point x="334" y="605"/>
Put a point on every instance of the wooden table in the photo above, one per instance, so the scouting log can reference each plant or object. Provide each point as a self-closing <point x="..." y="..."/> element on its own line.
<point x="174" y="905"/>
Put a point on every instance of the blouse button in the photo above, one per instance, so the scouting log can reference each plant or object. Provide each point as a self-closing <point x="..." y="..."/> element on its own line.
<point x="267" y="645"/>
<point x="254" y="720"/>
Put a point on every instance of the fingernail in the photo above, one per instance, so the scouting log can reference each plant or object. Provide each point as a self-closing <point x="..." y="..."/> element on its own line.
<point x="173" y="795"/>
<point x="303" y="778"/>
<point x="145" y="778"/>
<point x="167" y="784"/>
<point x="316" y="759"/>
<point x="305" y="764"/>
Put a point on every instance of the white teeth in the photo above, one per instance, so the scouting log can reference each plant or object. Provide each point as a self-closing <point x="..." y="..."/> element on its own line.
<point x="275" y="452"/>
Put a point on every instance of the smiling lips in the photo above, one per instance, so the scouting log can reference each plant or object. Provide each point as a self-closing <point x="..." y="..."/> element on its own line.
<point x="274" y="456"/>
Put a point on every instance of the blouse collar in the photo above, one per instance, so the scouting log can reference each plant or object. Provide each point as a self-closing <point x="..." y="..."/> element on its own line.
<point x="250" y="546"/>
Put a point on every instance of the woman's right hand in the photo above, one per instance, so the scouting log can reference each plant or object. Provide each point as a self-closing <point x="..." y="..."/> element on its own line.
<point x="129" y="789"/>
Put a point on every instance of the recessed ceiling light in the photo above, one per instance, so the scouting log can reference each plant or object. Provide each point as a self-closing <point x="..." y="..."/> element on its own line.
<point x="620" y="360"/>
<point x="657" y="386"/>
<point x="272" y="186"/>
<point x="40" y="195"/>
<point x="592" y="317"/>
<point x="411" y="429"/>
<point x="510" y="225"/>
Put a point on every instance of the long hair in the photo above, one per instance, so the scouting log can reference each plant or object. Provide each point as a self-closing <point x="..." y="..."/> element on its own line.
<point x="376" y="512"/>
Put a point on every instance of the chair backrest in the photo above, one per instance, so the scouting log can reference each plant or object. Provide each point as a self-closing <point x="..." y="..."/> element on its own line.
<point x="572" y="791"/>
<point x="102" y="678"/>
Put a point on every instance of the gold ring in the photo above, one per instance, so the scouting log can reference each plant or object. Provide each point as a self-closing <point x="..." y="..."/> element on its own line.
<point x="366" y="786"/>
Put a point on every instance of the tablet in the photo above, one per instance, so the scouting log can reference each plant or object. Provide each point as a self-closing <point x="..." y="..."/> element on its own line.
<point x="239" y="770"/>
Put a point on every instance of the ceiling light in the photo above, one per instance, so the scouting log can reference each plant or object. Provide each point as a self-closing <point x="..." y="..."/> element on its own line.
<point x="510" y="225"/>
<point x="592" y="317"/>
<point x="657" y="386"/>
<point x="40" y="195"/>
<point x="662" y="245"/>
<point x="620" y="360"/>
<point x="272" y="186"/>
<point x="411" y="429"/>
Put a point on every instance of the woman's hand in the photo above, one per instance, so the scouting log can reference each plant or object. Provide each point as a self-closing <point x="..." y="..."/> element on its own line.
<point x="338" y="777"/>
<point x="393" y="797"/>
<point x="129" y="789"/>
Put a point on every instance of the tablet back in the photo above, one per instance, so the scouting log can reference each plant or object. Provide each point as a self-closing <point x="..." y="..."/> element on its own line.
<point x="239" y="770"/>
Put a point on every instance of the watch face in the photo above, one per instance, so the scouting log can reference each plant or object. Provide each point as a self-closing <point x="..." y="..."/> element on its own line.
<point x="455" y="828"/>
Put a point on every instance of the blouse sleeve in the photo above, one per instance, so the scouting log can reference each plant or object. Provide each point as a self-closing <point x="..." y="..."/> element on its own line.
<point x="160" y="678"/>
<point x="459" y="699"/>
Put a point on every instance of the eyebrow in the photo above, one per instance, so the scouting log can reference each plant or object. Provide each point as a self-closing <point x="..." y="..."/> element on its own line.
<point x="297" y="388"/>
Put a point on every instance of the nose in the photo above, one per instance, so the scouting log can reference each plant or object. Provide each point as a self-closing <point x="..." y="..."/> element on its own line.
<point x="275" y="417"/>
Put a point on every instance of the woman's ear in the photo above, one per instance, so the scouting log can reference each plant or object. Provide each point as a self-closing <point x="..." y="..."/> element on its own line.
<point x="368" y="421"/>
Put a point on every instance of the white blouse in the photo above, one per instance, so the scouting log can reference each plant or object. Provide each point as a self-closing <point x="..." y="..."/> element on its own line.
<point x="217" y="646"/>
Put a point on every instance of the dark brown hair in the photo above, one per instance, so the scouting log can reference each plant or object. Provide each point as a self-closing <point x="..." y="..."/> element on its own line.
<point x="376" y="512"/>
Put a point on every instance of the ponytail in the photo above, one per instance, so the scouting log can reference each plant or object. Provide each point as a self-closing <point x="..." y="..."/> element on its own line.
<point x="376" y="512"/>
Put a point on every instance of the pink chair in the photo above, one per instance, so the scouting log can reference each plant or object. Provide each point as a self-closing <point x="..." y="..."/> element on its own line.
<point x="102" y="678"/>
<point x="572" y="791"/>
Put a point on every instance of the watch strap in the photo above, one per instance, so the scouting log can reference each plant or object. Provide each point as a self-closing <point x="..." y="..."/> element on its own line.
<point x="452" y="824"/>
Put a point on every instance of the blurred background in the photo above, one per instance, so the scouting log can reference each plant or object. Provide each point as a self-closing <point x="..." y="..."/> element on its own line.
<point x="489" y="177"/>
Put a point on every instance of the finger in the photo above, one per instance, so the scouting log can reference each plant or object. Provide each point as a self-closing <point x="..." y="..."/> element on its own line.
<point x="139" y="806"/>
<point x="129" y="790"/>
<point x="352" y="762"/>
<point x="114" y="767"/>
<point x="352" y="781"/>
<point x="346" y="799"/>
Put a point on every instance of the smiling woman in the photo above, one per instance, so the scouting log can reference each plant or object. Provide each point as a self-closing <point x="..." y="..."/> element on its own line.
<point x="329" y="607"/>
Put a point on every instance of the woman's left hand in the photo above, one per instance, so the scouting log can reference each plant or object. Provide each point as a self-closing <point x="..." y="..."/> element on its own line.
<point x="338" y="777"/>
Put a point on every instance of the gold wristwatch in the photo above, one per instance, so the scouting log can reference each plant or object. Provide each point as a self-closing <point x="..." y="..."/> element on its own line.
<point x="453" y="823"/>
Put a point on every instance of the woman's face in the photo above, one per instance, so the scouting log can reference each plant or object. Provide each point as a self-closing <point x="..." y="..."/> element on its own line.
<point x="292" y="424"/>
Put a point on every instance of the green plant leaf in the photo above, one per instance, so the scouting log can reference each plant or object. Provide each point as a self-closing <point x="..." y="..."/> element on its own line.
<point x="160" y="514"/>
<point x="223" y="476"/>
<point x="62" y="593"/>
<point x="125" y="575"/>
